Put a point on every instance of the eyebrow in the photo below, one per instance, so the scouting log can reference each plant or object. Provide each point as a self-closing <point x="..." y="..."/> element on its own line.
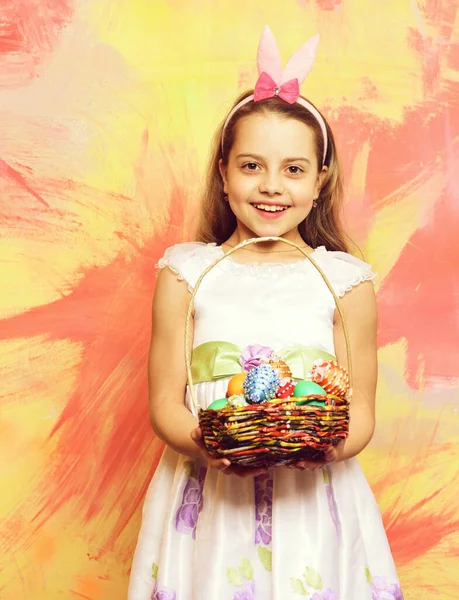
<point x="288" y="159"/>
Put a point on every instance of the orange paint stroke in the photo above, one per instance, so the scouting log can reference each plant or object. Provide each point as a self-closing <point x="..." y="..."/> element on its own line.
<point x="16" y="177"/>
<point x="96" y="464"/>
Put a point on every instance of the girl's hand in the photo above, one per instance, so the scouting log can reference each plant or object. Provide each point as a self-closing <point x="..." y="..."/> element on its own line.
<point x="332" y="454"/>
<point x="222" y="464"/>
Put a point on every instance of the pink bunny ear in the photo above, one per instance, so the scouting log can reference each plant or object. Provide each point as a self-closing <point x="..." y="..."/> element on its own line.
<point x="268" y="56"/>
<point x="301" y="61"/>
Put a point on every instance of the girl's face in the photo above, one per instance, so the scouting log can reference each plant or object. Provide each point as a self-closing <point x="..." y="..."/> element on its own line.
<point x="271" y="177"/>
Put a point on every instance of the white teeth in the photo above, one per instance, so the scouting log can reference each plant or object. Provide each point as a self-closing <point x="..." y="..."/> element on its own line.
<point x="270" y="208"/>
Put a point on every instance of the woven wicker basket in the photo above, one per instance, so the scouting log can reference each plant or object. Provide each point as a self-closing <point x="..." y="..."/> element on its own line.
<point x="276" y="432"/>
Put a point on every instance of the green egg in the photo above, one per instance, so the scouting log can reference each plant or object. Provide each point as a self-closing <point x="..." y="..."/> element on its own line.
<point x="311" y="402"/>
<point x="218" y="404"/>
<point x="308" y="388"/>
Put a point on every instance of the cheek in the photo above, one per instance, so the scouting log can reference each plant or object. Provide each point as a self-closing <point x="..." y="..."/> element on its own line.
<point x="303" y="190"/>
<point x="240" y="186"/>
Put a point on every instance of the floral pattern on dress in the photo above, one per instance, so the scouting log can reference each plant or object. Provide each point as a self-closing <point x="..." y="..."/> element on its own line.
<point x="311" y="585"/>
<point x="263" y="508"/>
<point x="326" y="595"/>
<point x="186" y="518"/>
<point x="381" y="589"/>
<point x="160" y="593"/>
<point x="246" y="593"/>
<point x="242" y="577"/>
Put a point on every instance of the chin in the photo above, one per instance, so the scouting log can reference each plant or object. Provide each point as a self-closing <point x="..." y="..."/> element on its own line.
<point x="275" y="228"/>
<point x="273" y="231"/>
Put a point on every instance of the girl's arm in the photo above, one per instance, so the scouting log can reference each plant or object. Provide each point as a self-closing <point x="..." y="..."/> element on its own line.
<point x="170" y="418"/>
<point x="360" y="314"/>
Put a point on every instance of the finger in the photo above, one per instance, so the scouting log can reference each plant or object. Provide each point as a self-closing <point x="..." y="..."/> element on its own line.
<point x="222" y="464"/>
<point x="306" y="465"/>
<point x="330" y="455"/>
<point x="196" y="436"/>
<point x="301" y="464"/>
<point x="232" y="470"/>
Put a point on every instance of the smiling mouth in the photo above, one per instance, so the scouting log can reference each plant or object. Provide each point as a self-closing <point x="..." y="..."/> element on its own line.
<point x="270" y="207"/>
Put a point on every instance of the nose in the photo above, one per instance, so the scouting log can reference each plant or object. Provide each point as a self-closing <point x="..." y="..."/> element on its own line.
<point x="271" y="184"/>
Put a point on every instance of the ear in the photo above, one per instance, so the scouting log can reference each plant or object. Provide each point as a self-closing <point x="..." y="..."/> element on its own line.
<point x="321" y="180"/>
<point x="222" y="168"/>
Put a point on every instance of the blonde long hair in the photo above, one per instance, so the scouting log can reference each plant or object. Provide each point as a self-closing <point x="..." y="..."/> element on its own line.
<point x="322" y="227"/>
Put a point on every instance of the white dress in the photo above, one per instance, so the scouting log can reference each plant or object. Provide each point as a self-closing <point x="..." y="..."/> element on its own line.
<point x="285" y="535"/>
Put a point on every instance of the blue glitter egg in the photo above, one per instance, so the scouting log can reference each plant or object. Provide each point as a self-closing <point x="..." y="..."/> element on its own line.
<point x="261" y="384"/>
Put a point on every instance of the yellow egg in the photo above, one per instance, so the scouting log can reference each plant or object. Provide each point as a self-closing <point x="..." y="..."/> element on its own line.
<point x="236" y="385"/>
<point x="282" y="368"/>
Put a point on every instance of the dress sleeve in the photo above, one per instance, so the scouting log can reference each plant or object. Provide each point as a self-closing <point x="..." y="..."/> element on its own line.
<point x="185" y="261"/>
<point x="346" y="271"/>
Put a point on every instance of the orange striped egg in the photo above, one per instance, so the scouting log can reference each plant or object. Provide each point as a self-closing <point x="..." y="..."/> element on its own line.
<point x="332" y="376"/>
<point x="281" y="367"/>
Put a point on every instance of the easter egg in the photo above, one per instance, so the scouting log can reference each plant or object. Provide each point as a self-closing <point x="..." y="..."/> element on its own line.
<point x="236" y="384"/>
<point x="331" y="376"/>
<point x="286" y="390"/>
<point x="308" y="388"/>
<point x="218" y="404"/>
<point x="261" y="384"/>
<point x="314" y="402"/>
<point x="282" y="368"/>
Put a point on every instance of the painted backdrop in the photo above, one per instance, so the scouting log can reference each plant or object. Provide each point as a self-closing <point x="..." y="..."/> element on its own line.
<point x="106" y="111"/>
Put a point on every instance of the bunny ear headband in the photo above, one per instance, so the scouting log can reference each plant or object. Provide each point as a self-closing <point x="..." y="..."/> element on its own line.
<point x="284" y="83"/>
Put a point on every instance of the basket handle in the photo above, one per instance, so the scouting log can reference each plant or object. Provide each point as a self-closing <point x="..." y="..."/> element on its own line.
<point x="188" y="348"/>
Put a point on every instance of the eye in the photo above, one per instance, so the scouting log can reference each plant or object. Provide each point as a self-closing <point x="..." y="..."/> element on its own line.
<point x="251" y="166"/>
<point x="294" y="170"/>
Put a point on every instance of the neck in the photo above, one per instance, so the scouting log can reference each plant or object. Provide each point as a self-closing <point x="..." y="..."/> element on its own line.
<point x="242" y="234"/>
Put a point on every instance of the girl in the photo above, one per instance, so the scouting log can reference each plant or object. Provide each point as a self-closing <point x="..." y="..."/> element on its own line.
<point x="212" y="530"/>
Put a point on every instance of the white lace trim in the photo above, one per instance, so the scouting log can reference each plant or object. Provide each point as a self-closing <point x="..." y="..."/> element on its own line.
<point x="163" y="263"/>
<point x="264" y="270"/>
<point x="369" y="276"/>
<point x="188" y="261"/>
